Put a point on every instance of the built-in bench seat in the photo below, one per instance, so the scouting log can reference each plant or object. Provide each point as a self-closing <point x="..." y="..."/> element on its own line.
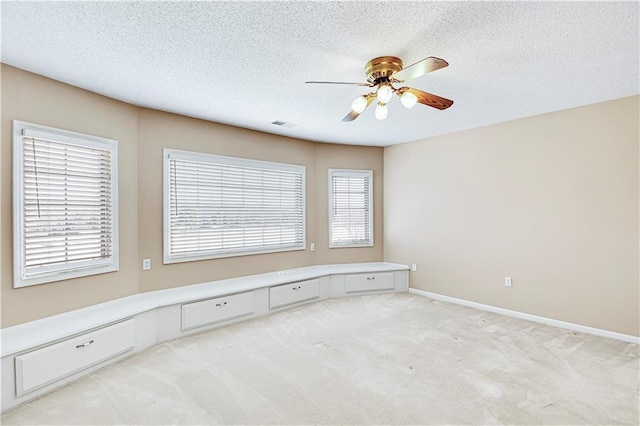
<point x="42" y="355"/>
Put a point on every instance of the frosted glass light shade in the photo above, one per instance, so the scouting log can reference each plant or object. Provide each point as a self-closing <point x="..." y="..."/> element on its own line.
<point x="359" y="104"/>
<point x="384" y="93"/>
<point x="408" y="99"/>
<point x="381" y="111"/>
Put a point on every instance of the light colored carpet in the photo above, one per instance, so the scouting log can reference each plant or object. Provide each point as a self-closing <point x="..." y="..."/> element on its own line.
<point x="377" y="359"/>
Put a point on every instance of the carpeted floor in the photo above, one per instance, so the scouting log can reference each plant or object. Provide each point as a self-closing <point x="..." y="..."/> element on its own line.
<point x="377" y="359"/>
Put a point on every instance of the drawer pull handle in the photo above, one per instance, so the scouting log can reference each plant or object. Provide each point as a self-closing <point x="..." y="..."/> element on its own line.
<point x="296" y="288"/>
<point x="221" y="304"/>
<point x="371" y="278"/>
<point x="84" y="345"/>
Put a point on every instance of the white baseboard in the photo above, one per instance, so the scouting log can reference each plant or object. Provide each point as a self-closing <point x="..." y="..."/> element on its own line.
<point x="535" y="318"/>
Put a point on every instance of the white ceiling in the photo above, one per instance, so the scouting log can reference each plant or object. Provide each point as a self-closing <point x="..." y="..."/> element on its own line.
<point x="245" y="63"/>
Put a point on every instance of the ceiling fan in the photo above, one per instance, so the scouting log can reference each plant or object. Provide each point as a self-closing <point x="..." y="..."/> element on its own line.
<point x="385" y="71"/>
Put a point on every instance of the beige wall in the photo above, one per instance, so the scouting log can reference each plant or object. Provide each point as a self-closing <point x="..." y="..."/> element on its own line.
<point x="160" y="130"/>
<point x="551" y="201"/>
<point x="142" y="134"/>
<point x="348" y="157"/>
<point x="32" y="98"/>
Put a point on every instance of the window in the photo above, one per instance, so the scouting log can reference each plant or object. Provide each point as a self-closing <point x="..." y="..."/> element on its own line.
<point x="64" y="204"/>
<point x="218" y="206"/>
<point x="350" y="208"/>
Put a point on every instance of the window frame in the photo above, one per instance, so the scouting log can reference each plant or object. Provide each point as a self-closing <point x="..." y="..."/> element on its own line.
<point x="350" y="172"/>
<point x="220" y="159"/>
<point x="21" y="130"/>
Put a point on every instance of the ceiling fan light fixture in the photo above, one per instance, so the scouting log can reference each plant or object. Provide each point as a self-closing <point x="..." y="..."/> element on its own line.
<point x="359" y="104"/>
<point x="382" y="111"/>
<point x="408" y="100"/>
<point x="385" y="92"/>
<point x="385" y="71"/>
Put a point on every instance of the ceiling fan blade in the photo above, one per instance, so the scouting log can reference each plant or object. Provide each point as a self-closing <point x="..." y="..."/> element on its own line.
<point x="339" y="82"/>
<point x="353" y="115"/>
<point x="428" y="99"/>
<point x="420" y="68"/>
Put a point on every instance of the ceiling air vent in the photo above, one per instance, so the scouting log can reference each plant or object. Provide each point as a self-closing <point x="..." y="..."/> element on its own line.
<point x="284" y="124"/>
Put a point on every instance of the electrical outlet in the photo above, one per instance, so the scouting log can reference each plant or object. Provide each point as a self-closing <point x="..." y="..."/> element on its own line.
<point x="414" y="267"/>
<point x="507" y="281"/>
<point x="312" y="247"/>
<point x="146" y="264"/>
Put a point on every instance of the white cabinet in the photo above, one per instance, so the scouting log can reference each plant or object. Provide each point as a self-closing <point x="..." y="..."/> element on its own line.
<point x="41" y="356"/>
<point x="369" y="282"/>
<point x="210" y="311"/>
<point x="46" y="365"/>
<point x="288" y="294"/>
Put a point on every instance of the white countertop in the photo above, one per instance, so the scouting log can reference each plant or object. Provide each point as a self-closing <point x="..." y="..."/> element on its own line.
<point x="31" y="334"/>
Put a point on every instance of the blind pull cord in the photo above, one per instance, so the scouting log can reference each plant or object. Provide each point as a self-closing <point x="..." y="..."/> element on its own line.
<point x="175" y="184"/>
<point x="35" y="169"/>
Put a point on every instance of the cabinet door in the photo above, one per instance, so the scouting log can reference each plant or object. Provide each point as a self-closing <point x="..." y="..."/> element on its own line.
<point x="210" y="311"/>
<point x="288" y="294"/>
<point x="43" y="366"/>
<point x="378" y="281"/>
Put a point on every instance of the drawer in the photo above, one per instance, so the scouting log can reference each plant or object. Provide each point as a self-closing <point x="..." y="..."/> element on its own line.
<point x="43" y="366"/>
<point x="210" y="311"/>
<point x="288" y="294"/>
<point x="369" y="282"/>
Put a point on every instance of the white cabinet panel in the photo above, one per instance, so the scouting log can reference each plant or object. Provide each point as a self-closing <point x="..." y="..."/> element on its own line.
<point x="43" y="366"/>
<point x="165" y="315"/>
<point x="215" y="310"/>
<point x="288" y="294"/>
<point x="369" y="282"/>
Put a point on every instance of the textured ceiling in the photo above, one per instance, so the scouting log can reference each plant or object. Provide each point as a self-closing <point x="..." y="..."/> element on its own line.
<point x="245" y="63"/>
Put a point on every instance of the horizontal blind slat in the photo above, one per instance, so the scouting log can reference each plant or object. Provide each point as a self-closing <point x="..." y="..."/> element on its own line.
<point x="351" y="208"/>
<point x="67" y="204"/>
<point x="216" y="208"/>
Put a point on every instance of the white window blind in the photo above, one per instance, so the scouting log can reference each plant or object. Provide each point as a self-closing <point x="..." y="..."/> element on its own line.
<point x="217" y="206"/>
<point x="64" y="205"/>
<point x="350" y="208"/>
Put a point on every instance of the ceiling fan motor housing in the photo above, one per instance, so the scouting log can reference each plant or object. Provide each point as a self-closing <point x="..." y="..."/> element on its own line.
<point x="380" y="69"/>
